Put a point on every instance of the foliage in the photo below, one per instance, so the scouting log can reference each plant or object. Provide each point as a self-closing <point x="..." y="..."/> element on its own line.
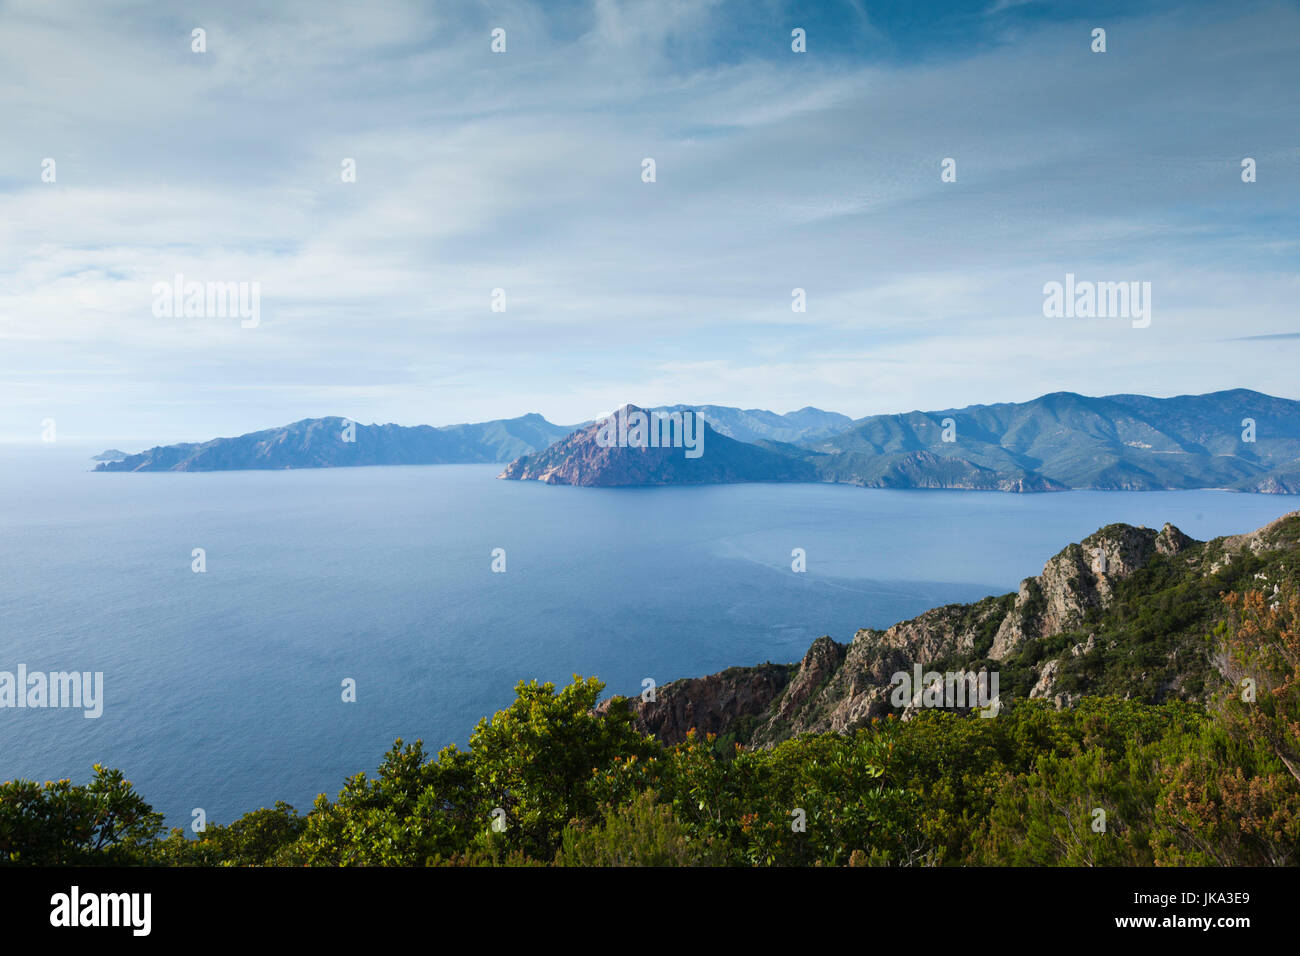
<point x="639" y="833"/>
<point x="102" y="823"/>
<point x="536" y="759"/>
<point x="1234" y="797"/>
<point x="259" y="838"/>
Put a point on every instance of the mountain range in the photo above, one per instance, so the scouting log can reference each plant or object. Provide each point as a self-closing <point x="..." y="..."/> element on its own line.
<point x="1238" y="439"/>
<point x="324" y="442"/>
<point x="338" y="442"/>
<point x="1233" y="439"/>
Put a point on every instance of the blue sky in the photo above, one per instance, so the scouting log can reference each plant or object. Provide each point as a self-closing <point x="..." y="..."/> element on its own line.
<point x="521" y="171"/>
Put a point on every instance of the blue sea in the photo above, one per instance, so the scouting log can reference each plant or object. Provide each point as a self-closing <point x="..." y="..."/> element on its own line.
<point x="223" y="690"/>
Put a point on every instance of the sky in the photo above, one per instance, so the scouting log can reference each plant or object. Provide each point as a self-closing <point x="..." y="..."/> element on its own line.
<point x="523" y="171"/>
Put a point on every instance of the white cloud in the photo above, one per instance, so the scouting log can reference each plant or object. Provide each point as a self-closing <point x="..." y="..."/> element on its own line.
<point x="522" y="171"/>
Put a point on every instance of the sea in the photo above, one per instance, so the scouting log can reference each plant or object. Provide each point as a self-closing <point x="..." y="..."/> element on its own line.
<point x="429" y="592"/>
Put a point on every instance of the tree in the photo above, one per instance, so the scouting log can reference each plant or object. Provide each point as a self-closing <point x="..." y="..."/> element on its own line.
<point x="56" y="824"/>
<point x="260" y="838"/>
<point x="536" y="760"/>
<point x="413" y="811"/>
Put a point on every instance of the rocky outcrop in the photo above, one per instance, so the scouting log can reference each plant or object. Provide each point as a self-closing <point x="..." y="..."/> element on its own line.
<point x="818" y="665"/>
<point x="709" y="705"/>
<point x="1046" y="680"/>
<point x="837" y="687"/>
<point x="1274" y="536"/>
<point x="1079" y="579"/>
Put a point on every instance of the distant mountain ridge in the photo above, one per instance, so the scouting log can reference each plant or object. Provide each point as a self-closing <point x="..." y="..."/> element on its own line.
<point x="1116" y="442"/>
<point x="1056" y="442"/>
<point x="324" y="443"/>
<point x="1239" y="439"/>
<point x="319" y="442"/>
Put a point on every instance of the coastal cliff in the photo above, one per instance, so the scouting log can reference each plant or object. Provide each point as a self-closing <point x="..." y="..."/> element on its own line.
<point x="1126" y="611"/>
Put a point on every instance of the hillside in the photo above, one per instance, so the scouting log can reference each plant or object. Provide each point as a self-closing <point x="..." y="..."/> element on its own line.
<point x="1119" y="442"/>
<point x="1136" y="623"/>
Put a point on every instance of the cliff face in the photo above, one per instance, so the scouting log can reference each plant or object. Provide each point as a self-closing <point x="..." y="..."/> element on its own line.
<point x="1079" y="579"/>
<point x="1073" y="619"/>
<point x="714" y="704"/>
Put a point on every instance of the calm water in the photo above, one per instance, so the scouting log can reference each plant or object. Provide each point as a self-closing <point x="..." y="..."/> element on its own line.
<point x="223" y="689"/>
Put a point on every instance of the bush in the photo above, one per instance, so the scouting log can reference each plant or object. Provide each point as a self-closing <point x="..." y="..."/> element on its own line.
<point x="640" y="833"/>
